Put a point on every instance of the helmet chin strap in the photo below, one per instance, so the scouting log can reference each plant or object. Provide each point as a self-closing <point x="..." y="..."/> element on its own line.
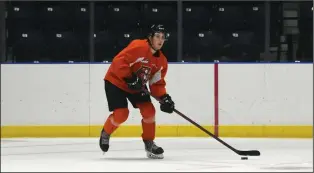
<point x="156" y="54"/>
<point x="154" y="48"/>
<point x="151" y="45"/>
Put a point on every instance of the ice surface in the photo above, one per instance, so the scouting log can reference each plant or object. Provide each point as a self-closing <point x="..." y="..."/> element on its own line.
<point x="128" y="155"/>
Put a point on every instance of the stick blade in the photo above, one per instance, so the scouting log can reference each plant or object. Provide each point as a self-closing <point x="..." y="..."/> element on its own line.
<point x="249" y="153"/>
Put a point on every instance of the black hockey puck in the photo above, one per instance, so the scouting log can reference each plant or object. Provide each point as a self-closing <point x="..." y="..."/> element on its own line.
<point x="244" y="158"/>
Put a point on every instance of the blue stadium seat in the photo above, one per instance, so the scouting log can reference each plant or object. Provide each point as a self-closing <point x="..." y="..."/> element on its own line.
<point x="29" y="46"/>
<point x="203" y="45"/>
<point x="64" y="47"/>
<point x="105" y="46"/>
<point x="57" y="15"/>
<point x="121" y="15"/>
<point x="196" y="16"/>
<point x="159" y="13"/>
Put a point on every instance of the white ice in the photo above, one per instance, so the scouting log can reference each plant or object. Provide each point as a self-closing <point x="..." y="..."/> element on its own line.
<point x="181" y="154"/>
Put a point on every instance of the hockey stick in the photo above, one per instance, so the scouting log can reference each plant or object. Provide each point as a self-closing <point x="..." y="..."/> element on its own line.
<point x="239" y="152"/>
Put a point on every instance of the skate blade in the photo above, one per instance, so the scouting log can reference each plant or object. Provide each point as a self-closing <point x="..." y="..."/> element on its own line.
<point x="154" y="156"/>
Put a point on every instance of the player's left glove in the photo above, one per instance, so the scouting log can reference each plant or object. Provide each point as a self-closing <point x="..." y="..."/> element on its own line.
<point x="166" y="104"/>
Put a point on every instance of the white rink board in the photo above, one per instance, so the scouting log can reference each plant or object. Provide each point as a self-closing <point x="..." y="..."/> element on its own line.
<point x="73" y="94"/>
<point x="266" y="94"/>
<point x="33" y="94"/>
<point x="63" y="94"/>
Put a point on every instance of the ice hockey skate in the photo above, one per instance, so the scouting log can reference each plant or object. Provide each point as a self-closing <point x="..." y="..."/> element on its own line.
<point x="104" y="141"/>
<point x="153" y="151"/>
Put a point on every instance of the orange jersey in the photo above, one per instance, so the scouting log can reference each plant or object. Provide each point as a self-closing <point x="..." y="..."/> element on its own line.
<point x="137" y="58"/>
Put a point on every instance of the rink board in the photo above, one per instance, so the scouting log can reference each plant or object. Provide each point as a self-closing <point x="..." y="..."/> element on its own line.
<point x="161" y="131"/>
<point x="243" y="100"/>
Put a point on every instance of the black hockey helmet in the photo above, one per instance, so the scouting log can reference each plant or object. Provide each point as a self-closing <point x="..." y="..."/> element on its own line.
<point x="158" y="29"/>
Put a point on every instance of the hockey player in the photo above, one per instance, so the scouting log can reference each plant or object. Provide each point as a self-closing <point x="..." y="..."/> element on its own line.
<point x="141" y="62"/>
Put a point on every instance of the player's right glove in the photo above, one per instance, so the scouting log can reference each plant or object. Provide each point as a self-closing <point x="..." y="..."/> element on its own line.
<point x="166" y="104"/>
<point x="134" y="82"/>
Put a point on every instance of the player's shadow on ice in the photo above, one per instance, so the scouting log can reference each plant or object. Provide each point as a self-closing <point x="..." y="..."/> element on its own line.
<point x="135" y="159"/>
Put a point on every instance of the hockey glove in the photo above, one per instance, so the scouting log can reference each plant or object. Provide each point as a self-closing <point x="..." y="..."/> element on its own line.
<point x="134" y="83"/>
<point x="166" y="104"/>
